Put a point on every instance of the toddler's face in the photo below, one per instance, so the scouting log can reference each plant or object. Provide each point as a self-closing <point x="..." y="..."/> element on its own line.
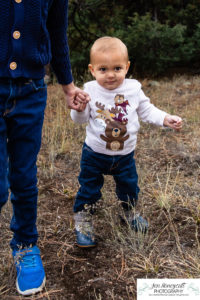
<point x="109" y="68"/>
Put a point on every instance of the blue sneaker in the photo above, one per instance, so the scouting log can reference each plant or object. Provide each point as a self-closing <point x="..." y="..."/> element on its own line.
<point x="30" y="271"/>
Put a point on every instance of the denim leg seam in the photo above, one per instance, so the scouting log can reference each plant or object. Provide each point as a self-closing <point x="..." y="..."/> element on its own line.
<point x="113" y="165"/>
<point x="9" y="110"/>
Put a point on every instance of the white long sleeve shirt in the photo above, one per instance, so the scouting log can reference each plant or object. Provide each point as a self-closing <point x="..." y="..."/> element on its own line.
<point x="112" y="116"/>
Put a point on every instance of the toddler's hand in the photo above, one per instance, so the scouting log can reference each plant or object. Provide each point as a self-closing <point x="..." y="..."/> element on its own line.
<point x="79" y="102"/>
<point x="174" y="122"/>
<point x="71" y="92"/>
<point x="82" y="97"/>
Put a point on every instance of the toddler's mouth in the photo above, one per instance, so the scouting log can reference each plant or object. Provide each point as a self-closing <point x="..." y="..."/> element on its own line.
<point x="110" y="82"/>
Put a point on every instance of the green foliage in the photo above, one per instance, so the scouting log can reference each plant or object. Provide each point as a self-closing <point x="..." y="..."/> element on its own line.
<point x="154" y="47"/>
<point x="159" y="34"/>
<point x="195" y="40"/>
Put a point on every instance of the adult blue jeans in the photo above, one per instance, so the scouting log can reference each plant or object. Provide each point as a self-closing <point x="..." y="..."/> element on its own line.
<point x="22" y="105"/>
<point x="94" y="166"/>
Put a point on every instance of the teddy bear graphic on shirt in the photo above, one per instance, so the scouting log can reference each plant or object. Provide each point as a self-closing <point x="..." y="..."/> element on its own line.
<point x="115" y="122"/>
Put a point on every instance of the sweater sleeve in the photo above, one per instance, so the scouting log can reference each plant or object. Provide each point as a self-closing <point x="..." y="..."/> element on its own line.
<point x="80" y="117"/>
<point x="57" y="23"/>
<point x="148" y="112"/>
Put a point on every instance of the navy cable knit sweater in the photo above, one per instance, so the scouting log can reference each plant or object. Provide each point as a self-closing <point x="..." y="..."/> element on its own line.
<point x="32" y="34"/>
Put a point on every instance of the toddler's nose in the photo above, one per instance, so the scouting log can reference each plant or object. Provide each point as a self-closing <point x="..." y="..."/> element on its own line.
<point x="110" y="74"/>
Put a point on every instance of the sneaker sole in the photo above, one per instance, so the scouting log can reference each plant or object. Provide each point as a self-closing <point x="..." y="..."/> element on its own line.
<point x="31" y="291"/>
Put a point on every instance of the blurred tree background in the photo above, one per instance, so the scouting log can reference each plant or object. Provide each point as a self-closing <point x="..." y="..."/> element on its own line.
<point x="160" y="35"/>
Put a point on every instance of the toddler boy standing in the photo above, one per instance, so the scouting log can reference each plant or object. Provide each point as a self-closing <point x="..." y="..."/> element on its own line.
<point x="111" y="134"/>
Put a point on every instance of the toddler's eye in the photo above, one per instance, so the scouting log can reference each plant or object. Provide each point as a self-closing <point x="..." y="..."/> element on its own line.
<point x="117" y="68"/>
<point x="102" y="69"/>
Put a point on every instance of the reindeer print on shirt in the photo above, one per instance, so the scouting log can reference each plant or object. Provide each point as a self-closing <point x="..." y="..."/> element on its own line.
<point x="115" y="121"/>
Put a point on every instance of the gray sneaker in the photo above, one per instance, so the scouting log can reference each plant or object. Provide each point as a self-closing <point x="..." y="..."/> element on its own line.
<point x="136" y="222"/>
<point x="84" y="230"/>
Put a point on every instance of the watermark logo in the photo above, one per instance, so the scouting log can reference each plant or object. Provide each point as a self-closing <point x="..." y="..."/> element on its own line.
<point x="173" y="289"/>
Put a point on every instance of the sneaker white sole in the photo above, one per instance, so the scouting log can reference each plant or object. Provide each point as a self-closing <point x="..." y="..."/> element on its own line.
<point x="31" y="291"/>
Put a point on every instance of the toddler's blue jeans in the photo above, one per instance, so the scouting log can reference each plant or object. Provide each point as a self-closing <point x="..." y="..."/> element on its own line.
<point x="22" y="105"/>
<point x="94" y="166"/>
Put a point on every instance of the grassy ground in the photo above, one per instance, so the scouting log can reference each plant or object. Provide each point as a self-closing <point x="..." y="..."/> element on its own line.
<point x="168" y="164"/>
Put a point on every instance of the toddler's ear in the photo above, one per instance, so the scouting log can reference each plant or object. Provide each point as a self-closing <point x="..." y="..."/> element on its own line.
<point x="128" y="65"/>
<point x="90" y="67"/>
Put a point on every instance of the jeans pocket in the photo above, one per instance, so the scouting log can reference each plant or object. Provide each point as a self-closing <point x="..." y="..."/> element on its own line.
<point x="38" y="84"/>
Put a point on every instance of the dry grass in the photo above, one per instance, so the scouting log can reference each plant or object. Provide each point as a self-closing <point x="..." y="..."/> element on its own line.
<point x="168" y="164"/>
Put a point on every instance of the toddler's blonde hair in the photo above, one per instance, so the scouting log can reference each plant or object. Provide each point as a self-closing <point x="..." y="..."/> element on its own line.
<point x="108" y="43"/>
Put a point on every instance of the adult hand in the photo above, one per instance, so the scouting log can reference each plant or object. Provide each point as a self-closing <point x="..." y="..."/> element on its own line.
<point x="173" y="122"/>
<point x="75" y="97"/>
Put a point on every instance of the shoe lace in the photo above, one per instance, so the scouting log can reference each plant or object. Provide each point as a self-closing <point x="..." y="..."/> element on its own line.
<point x="28" y="261"/>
